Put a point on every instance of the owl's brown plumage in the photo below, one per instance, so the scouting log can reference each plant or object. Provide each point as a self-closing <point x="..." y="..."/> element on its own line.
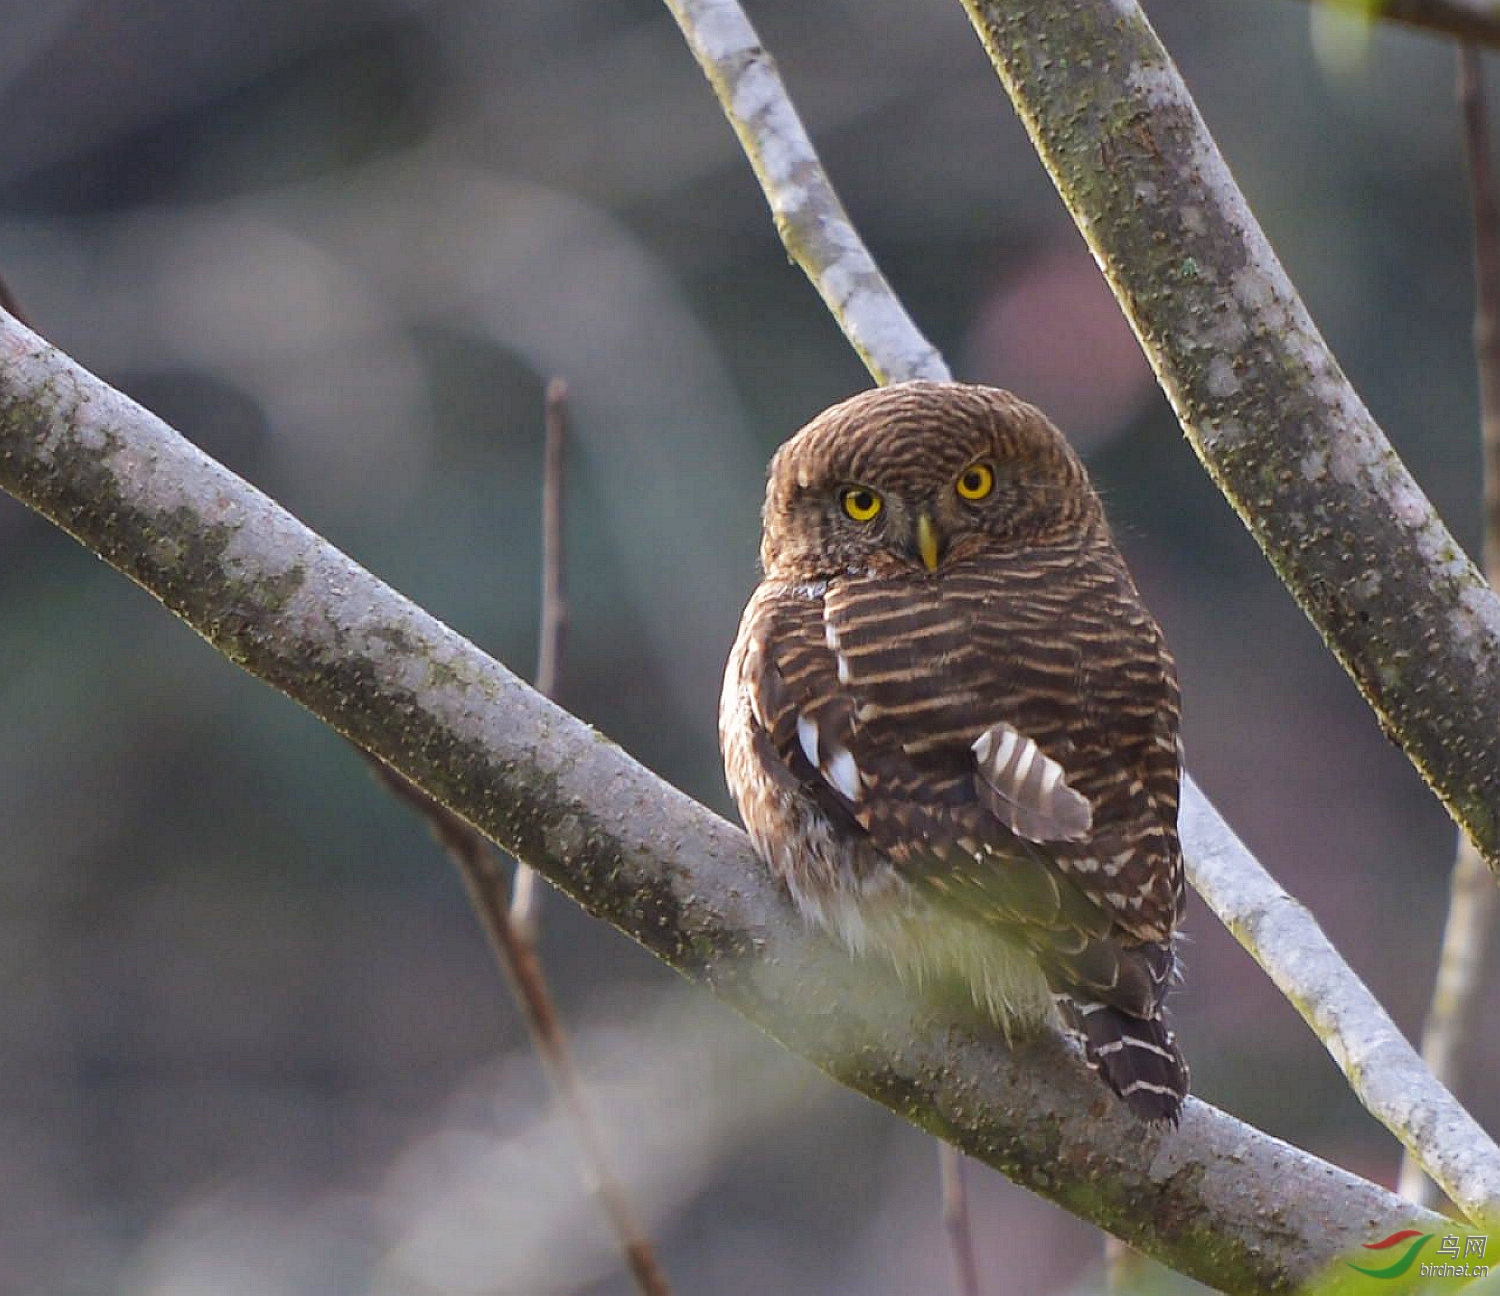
<point x="951" y="725"/>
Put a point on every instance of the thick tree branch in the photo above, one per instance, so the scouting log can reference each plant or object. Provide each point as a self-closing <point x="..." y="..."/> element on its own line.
<point x="1215" y="1199"/>
<point x="1470" y="20"/>
<point x="1278" y="932"/>
<point x="1262" y="400"/>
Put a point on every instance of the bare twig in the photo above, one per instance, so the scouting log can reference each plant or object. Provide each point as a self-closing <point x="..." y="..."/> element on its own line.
<point x="1486" y="220"/>
<point x="1384" y="1071"/>
<point x="508" y="913"/>
<point x="956" y="1221"/>
<point x="525" y="897"/>
<point x="1216" y="1199"/>
<point x="485" y="882"/>
<point x="1466" y="933"/>
<point x="554" y="624"/>
<point x="1471" y="890"/>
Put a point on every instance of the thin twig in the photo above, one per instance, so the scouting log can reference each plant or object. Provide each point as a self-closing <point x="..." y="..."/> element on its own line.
<point x="508" y="914"/>
<point x="1471" y="890"/>
<point x="1486" y="219"/>
<point x="525" y="896"/>
<point x="1382" y="1068"/>
<point x="956" y="1221"/>
<point x="554" y="625"/>
<point x="485" y="882"/>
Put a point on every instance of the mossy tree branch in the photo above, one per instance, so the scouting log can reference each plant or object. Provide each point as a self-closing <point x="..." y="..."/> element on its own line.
<point x="1215" y="1199"/>
<point x="1262" y="400"/>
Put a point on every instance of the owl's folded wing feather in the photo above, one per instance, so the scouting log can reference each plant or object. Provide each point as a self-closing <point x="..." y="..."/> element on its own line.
<point x="1026" y="789"/>
<point x="889" y="717"/>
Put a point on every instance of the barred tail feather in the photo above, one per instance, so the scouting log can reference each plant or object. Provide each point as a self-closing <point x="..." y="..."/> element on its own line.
<point x="1137" y="1057"/>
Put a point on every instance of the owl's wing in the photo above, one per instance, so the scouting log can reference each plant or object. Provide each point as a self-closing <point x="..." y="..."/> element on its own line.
<point x="974" y="742"/>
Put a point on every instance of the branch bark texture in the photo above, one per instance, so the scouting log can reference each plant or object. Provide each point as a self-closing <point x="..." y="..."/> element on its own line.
<point x="809" y="216"/>
<point x="1215" y="1199"/>
<point x="1263" y="401"/>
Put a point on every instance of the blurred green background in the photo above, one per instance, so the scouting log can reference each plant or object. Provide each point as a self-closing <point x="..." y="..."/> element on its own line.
<point x="250" y="1038"/>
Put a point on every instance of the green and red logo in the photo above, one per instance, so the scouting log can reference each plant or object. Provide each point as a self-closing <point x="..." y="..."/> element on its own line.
<point x="1413" y="1241"/>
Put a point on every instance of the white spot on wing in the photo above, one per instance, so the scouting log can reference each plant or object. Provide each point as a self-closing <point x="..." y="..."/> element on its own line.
<point x="843" y="773"/>
<point x="807" y="735"/>
<point x="1025" y="760"/>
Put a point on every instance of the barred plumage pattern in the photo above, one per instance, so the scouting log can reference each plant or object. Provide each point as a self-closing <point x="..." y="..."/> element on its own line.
<point x="952" y="728"/>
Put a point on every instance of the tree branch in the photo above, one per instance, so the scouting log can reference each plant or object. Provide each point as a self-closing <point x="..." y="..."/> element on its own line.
<point x="1262" y="400"/>
<point x="1383" y="1069"/>
<point x="1347" y="1018"/>
<point x="1215" y="1199"/>
<point x="1472" y="895"/>
<point x="809" y="216"/>
<point x="1470" y="20"/>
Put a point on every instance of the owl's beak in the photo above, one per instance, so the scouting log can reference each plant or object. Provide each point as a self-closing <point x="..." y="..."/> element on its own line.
<point x="929" y="541"/>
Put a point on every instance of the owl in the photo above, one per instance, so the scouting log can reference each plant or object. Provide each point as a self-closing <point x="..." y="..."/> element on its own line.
<point x="951" y="725"/>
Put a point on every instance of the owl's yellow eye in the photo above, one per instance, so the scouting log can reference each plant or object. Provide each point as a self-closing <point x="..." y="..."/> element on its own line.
<point x="860" y="502"/>
<point x="976" y="481"/>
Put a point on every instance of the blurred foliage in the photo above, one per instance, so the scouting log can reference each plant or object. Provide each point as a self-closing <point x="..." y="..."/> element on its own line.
<point x="250" y="1038"/>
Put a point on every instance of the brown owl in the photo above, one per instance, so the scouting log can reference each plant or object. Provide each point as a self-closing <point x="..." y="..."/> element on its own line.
<point x="951" y="725"/>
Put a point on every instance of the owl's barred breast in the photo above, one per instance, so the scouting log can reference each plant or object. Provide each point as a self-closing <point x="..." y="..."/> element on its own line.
<point x="950" y="724"/>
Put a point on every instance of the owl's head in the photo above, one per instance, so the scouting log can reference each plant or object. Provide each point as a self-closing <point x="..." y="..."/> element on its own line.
<point x="917" y="476"/>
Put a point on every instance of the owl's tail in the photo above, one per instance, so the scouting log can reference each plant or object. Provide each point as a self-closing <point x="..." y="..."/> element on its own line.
<point x="1138" y="1057"/>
